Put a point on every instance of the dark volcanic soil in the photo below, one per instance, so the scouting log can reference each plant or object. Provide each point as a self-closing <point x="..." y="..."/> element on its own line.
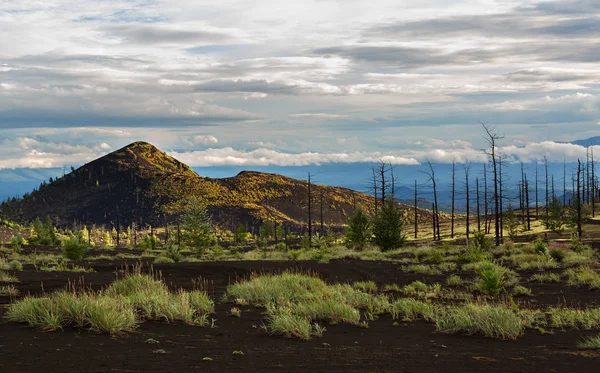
<point x="411" y="347"/>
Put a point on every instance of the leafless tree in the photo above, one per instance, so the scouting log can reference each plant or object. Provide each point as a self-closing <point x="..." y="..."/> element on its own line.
<point x="436" y="212"/>
<point x="467" y="168"/>
<point x="492" y="138"/>
<point x="453" y="184"/>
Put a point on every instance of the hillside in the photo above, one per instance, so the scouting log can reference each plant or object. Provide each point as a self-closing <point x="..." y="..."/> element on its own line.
<point x="140" y="183"/>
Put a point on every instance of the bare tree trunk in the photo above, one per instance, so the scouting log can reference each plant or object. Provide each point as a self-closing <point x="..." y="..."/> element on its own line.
<point x="453" y="182"/>
<point x="537" y="203"/>
<point x="527" y="203"/>
<point x="564" y="183"/>
<point x="321" y="200"/>
<point x="593" y="185"/>
<point x="381" y="169"/>
<point x="374" y="187"/>
<point x="309" y="213"/>
<point x="435" y="201"/>
<point x="492" y="138"/>
<point x="433" y="219"/>
<point x="478" y="203"/>
<point x="547" y="192"/>
<point x="485" y="199"/>
<point x="416" y="213"/>
<point x="501" y="204"/>
<point x="467" y="200"/>
<point x="586" y="187"/>
<point x="579" y="230"/>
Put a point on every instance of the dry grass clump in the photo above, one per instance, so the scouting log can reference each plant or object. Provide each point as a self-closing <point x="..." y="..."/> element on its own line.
<point x="296" y="302"/>
<point x="118" y="308"/>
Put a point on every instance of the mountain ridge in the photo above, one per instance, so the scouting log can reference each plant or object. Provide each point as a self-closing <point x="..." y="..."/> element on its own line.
<point x="142" y="184"/>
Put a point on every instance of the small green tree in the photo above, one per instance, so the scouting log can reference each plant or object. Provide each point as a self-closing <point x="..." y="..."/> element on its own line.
<point x="108" y="240"/>
<point x="241" y="233"/>
<point x="267" y="230"/>
<point x="555" y="219"/>
<point x="511" y="222"/>
<point x="358" y="233"/>
<point x="43" y="233"/>
<point x="570" y="214"/>
<point x="196" y="225"/>
<point x="387" y="226"/>
<point x="74" y="249"/>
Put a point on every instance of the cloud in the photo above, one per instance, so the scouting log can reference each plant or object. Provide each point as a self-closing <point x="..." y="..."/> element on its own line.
<point x="244" y="73"/>
<point x="265" y="157"/>
<point x="318" y="115"/>
<point x="204" y="140"/>
<point x="154" y="33"/>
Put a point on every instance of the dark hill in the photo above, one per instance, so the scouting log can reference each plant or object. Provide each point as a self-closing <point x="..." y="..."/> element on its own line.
<point x="140" y="183"/>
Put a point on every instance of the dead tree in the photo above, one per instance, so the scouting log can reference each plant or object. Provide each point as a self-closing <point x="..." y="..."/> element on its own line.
<point x="374" y="187"/>
<point x="579" y="230"/>
<point x="467" y="167"/>
<point x="485" y="200"/>
<point x="381" y="170"/>
<point x="492" y="138"/>
<point x="565" y="183"/>
<point x="453" y="182"/>
<point x="527" y="203"/>
<point x="593" y="182"/>
<point x="478" y="210"/>
<point x="416" y="212"/>
<point x="321" y="207"/>
<point x="547" y="191"/>
<point x="436" y="211"/>
<point x="309" y="212"/>
<point x="537" y="201"/>
<point x="501" y="207"/>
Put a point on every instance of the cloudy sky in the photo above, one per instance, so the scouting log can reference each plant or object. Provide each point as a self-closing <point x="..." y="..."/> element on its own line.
<point x="255" y="83"/>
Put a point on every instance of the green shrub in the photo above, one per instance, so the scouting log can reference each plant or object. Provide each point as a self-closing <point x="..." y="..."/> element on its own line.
<point x="392" y="288"/>
<point x="15" y="265"/>
<point x="73" y="249"/>
<point x="163" y="260"/>
<point x="576" y="245"/>
<point x="17" y="241"/>
<point x="540" y="247"/>
<point x="490" y="278"/>
<point x="453" y="280"/>
<point x="490" y="320"/>
<point x="295" y="254"/>
<point x="545" y="277"/>
<point x="366" y="286"/>
<point x="590" y="343"/>
<point x="409" y="309"/>
<point x="43" y="234"/>
<point x="558" y="255"/>
<point x="9" y="290"/>
<point x="387" y="226"/>
<point x="173" y="252"/>
<point x="288" y="324"/>
<point x="481" y="242"/>
<point x="148" y="243"/>
<point x="521" y="290"/>
<point x="358" y="233"/>
<point x="584" y="275"/>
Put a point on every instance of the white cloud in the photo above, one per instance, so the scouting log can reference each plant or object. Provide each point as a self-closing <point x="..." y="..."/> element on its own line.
<point x="204" y="140"/>
<point x="318" y="115"/>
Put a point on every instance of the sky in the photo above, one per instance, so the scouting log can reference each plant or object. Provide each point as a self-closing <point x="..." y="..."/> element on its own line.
<point x="258" y="83"/>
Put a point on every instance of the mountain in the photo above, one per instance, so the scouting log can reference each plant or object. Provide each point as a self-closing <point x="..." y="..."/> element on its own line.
<point x="140" y="183"/>
<point x="592" y="141"/>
